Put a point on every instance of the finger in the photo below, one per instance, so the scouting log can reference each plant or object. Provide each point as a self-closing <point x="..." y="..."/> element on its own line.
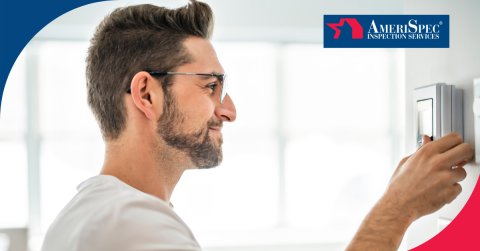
<point x="462" y="152"/>
<point x="458" y="174"/>
<point x="461" y="164"/>
<point x="454" y="192"/>
<point x="425" y="140"/>
<point x="447" y="142"/>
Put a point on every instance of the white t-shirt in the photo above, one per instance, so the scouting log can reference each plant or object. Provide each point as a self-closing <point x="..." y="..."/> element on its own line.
<point x="108" y="214"/>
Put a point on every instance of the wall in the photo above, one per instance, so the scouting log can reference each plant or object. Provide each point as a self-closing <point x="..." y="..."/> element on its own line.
<point x="457" y="65"/>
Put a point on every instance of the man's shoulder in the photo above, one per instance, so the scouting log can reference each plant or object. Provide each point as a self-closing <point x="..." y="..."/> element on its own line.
<point x="107" y="212"/>
<point x="107" y="193"/>
<point x="105" y="198"/>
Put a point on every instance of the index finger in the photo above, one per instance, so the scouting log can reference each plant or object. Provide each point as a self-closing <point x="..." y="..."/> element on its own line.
<point x="447" y="142"/>
<point x="460" y="153"/>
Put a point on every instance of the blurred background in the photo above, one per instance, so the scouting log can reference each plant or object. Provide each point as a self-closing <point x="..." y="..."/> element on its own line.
<point x="318" y="132"/>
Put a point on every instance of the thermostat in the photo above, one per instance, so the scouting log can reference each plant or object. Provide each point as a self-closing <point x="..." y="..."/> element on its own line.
<point x="438" y="110"/>
<point x="476" y="113"/>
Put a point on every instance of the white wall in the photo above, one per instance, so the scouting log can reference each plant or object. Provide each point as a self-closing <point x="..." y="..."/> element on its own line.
<point x="457" y="65"/>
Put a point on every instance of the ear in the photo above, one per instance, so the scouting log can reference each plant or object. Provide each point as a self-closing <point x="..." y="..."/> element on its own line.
<point x="147" y="95"/>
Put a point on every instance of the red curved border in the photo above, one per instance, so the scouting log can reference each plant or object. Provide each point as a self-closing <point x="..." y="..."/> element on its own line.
<point x="463" y="232"/>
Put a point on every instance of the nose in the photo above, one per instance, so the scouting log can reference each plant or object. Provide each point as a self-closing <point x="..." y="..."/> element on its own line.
<point x="227" y="111"/>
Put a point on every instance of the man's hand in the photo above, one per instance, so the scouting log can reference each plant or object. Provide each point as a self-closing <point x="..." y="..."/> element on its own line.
<point x="426" y="181"/>
<point x="422" y="183"/>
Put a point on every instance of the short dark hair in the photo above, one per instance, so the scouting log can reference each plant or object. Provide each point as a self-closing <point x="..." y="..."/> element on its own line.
<point x="133" y="39"/>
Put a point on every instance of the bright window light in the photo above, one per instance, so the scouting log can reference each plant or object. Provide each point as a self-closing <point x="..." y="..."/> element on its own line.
<point x="13" y="150"/>
<point x="72" y="149"/>
<point x="338" y="155"/>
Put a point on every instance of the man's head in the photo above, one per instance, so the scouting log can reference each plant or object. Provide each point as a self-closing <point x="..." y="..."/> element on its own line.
<point x="181" y="112"/>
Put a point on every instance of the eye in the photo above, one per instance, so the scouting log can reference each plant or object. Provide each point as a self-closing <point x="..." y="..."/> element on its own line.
<point x="211" y="86"/>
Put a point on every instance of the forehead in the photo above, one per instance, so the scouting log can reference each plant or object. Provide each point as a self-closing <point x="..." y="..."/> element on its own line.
<point x="206" y="60"/>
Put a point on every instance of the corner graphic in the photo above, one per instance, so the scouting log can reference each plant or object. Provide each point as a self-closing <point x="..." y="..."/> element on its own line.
<point x="357" y="29"/>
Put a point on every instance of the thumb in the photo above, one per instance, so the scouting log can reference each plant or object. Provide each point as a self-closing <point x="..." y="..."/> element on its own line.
<point x="425" y="140"/>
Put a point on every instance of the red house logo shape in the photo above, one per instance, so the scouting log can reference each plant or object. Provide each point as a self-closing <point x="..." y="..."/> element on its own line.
<point x="357" y="29"/>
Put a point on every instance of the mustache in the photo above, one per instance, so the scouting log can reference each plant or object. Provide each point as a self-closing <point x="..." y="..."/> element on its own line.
<point x="205" y="132"/>
<point x="214" y="123"/>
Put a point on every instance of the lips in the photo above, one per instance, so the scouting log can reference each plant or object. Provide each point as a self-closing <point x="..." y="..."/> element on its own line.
<point x="216" y="129"/>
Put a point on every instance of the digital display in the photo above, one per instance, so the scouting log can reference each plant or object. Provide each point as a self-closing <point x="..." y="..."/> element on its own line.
<point x="425" y="119"/>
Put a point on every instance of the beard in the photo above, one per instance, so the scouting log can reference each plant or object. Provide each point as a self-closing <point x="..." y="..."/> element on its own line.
<point x="199" y="146"/>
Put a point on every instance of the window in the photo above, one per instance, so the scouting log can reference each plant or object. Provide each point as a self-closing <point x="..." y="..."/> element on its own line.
<point x="72" y="149"/>
<point x="338" y="151"/>
<point x="13" y="158"/>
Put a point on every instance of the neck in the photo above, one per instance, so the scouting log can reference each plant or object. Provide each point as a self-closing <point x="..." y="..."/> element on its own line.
<point x="151" y="167"/>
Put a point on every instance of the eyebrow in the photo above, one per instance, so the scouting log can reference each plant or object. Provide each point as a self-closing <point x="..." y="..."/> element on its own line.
<point x="207" y="77"/>
<point x="204" y="77"/>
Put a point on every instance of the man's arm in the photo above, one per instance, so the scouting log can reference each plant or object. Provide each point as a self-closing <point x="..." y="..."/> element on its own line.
<point x="422" y="184"/>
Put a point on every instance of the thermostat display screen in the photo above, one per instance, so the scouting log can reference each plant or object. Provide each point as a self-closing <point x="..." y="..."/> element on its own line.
<point x="425" y="118"/>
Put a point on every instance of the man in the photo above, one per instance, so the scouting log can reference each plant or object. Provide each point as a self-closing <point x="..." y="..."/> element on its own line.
<point x="158" y="93"/>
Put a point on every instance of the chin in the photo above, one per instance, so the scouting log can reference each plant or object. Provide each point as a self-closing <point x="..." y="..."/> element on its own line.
<point x="212" y="161"/>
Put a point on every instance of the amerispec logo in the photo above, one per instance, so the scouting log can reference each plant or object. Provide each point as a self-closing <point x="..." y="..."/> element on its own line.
<point x="386" y="31"/>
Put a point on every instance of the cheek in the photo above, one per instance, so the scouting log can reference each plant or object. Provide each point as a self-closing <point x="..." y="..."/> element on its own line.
<point x="199" y="109"/>
<point x="203" y="111"/>
<point x="197" y="118"/>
